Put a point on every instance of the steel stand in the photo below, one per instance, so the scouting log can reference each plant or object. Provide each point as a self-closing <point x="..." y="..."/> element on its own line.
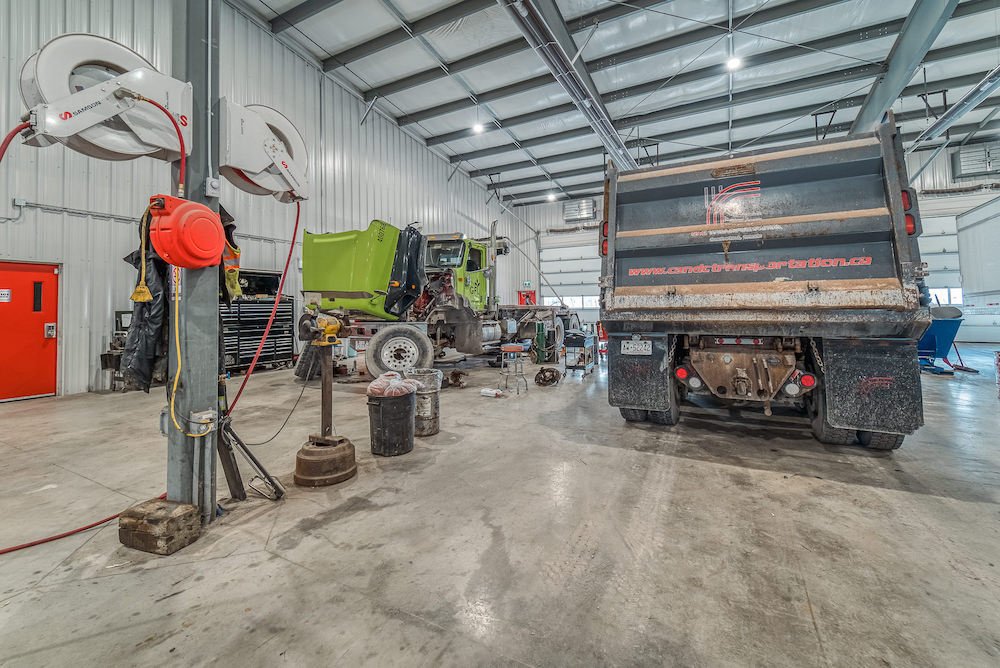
<point x="325" y="459"/>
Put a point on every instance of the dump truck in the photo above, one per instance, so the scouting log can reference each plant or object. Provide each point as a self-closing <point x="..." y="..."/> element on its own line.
<point x="787" y="277"/>
<point x="407" y="297"/>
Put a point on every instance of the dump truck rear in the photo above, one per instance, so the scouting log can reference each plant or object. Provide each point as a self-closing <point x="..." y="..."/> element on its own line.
<point x="786" y="277"/>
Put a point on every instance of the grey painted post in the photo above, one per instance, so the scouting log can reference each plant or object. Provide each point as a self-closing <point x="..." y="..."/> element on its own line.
<point x="191" y="461"/>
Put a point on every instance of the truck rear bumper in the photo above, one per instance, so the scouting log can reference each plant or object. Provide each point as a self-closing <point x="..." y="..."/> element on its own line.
<point x="815" y="323"/>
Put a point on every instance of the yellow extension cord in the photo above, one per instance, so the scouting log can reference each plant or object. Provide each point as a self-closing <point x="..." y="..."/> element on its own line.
<point x="177" y="343"/>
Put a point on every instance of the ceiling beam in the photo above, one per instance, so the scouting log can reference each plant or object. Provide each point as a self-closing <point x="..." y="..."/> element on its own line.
<point x="300" y="13"/>
<point x="666" y="45"/>
<point x="926" y="20"/>
<point x="542" y="25"/>
<point x="507" y="48"/>
<point x="807" y="133"/>
<point x="841" y="128"/>
<point x="750" y="95"/>
<point x="768" y="58"/>
<point x="440" y="18"/>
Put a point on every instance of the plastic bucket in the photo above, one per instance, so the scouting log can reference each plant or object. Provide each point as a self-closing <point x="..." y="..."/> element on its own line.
<point x="392" y="424"/>
<point x="428" y="407"/>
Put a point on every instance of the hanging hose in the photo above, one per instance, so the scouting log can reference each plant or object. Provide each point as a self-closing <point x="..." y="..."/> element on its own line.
<point x="10" y="137"/>
<point x="274" y="310"/>
<point x="180" y="140"/>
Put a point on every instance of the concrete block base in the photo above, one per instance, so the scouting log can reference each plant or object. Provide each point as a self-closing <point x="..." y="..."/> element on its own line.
<point x="159" y="526"/>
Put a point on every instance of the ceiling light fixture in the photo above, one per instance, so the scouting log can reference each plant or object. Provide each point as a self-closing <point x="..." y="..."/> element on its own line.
<point x="552" y="197"/>
<point x="734" y="64"/>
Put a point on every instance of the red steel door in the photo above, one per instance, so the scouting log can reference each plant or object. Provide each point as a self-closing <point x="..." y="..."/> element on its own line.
<point x="29" y="304"/>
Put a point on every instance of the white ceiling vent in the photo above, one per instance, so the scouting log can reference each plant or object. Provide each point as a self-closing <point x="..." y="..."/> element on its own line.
<point x="576" y="210"/>
<point x="977" y="160"/>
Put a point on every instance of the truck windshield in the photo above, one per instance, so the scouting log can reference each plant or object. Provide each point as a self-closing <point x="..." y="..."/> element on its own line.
<point x="444" y="253"/>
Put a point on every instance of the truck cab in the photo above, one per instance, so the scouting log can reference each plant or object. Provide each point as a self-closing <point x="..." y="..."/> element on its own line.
<point x="460" y="266"/>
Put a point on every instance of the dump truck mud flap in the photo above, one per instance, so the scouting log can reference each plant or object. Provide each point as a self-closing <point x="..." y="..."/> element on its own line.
<point x="873" y="385"/>
<point x="637" y="378"/>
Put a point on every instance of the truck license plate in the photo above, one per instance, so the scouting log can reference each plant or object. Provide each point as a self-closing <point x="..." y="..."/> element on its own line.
<point x="637" y="347"/>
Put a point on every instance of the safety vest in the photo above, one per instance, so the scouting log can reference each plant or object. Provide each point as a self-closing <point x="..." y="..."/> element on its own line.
<point x="231" y="265"/>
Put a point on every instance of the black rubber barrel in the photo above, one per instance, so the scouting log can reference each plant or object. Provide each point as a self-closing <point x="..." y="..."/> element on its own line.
<point x="392" y="424"/>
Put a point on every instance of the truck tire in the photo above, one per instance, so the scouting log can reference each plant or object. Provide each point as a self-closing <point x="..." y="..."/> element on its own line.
<point x="672" y="415"/>
<point x="822" y="430"/>
<point x="634" y="414"/>
<point x="398" y="347"/>
<point x="878" y="440"/>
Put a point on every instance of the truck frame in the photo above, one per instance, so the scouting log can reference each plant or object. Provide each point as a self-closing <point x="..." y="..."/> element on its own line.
<point x="782" y="277"/>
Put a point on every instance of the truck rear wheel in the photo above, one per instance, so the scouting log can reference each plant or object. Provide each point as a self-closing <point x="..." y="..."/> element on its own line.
<point x="878" y="440"/>
<point x="397" y="348"/>
<point x="822" y="430"/>
<point x="634" y="414"/>
<point x="672" y="415"/>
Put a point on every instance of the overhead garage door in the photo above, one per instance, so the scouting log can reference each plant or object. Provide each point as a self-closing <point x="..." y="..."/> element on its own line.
<point x="572" y="265"/>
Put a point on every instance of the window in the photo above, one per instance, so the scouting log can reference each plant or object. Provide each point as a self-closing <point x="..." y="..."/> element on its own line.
<point x="573" y="302"/>
<point x="591" y="301"/>
<point x="475" y="262"/>
<point x="944" y="296"/>
<point x="550" y="301"/>
<point x="445" y="253"/>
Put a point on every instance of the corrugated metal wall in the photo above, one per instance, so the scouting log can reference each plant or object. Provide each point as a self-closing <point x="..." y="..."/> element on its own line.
<point x="358" y="172"/>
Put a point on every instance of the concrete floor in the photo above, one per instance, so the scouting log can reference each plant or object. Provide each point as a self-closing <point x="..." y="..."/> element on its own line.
<point x="539" y="529"/>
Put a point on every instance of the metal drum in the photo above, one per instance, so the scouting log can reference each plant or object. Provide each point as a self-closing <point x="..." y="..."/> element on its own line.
<point x="428" y="412"/>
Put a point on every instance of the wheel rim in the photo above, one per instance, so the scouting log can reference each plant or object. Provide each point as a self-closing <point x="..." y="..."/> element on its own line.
<point x="399" y="353"/>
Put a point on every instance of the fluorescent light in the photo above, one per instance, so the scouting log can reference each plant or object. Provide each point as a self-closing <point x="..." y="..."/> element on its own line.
<point x="478" y="128"/>
<point x="552" y="197"/>
<point x="734" y="64"/>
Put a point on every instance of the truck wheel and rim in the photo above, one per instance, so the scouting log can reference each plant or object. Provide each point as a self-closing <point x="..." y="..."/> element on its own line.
<point x="397" y="348"/>
<point x="634" y="414"/>
<point x="877" y="440"/>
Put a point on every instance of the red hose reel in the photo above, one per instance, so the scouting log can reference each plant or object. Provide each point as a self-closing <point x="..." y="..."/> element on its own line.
<point x="184" y="233"/>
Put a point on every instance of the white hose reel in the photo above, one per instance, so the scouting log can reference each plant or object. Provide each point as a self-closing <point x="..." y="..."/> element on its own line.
<point x="70" y="86"/>
<point x="80" y="90"/>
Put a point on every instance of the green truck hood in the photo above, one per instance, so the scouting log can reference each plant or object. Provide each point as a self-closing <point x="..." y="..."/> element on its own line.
<point x="351" y="270"/>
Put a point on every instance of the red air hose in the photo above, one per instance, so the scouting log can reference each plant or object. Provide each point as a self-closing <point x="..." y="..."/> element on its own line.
<point x="10" y="137"/>
<point x="274" y="310"/>
<point x="65" y="534"/>
<point x="180" y="139"/>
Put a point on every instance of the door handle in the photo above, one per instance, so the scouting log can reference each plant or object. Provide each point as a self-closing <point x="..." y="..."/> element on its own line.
<point x="50" y="330"/>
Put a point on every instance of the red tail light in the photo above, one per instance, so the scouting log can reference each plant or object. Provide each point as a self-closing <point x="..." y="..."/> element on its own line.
<point x="604" y="247"/>
<point x="807" y="380"/>
<point x="604" y="229"/>
<point x="906" y="200"/>
<point x="681" y="373"/>
<point x="911" y="224"/>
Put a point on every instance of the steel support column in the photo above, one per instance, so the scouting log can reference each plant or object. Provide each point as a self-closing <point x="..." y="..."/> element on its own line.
<point x="191" y="461"/>
<point x="923" y="25"/>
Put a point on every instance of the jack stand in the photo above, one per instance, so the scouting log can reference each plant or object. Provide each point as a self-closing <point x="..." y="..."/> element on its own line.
<point x="229" y="443"/>
<point x="326" y="459"/>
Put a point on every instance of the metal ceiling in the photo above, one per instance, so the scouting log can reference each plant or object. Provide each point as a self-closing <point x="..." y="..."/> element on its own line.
<point x="460" y="74"/>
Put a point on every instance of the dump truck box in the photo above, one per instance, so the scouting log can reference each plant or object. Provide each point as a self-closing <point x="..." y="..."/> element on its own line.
<point x="789" y="248"/>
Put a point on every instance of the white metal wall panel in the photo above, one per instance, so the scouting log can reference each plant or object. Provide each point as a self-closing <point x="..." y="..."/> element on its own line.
<point x="358" y="172"/>
<point x="94" y="280"/>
